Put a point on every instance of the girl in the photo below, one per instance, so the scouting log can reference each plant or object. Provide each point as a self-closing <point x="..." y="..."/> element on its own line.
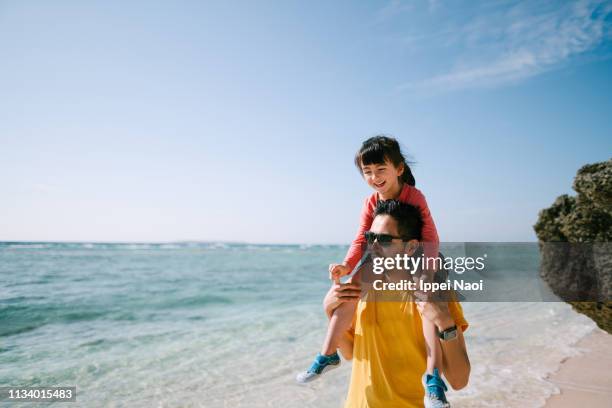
<point x="384" y="168"/>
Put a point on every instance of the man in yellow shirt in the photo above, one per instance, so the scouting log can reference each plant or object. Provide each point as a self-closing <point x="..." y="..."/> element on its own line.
<point x="387" y="344"/>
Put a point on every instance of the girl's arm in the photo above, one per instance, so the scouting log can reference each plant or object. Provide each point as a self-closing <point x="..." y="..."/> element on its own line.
<point x="429" y="233"/>
<point x="355" y="251"/>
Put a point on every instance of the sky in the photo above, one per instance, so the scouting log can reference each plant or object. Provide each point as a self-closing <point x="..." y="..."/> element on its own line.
<point x="238" y="121"/>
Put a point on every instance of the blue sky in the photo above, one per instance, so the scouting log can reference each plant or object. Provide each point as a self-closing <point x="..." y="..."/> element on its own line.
<point x="162" y="121"/>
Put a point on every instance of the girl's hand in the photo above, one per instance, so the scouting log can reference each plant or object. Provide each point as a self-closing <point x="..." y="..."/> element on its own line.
<point x="336" y="271"/>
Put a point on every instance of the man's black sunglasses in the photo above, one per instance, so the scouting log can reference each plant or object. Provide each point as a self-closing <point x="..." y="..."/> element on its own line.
<point x="372" y="237"/>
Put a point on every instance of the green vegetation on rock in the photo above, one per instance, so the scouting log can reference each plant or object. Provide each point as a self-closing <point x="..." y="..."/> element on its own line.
<point x="581" y="271"/>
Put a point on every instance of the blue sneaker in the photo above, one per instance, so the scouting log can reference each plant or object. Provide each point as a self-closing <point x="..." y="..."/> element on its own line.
<point x="320" y="365"/>
<point x="434" y="391"/>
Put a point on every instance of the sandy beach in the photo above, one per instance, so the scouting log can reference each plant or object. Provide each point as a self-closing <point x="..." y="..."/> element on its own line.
<point x="585" y="379"/>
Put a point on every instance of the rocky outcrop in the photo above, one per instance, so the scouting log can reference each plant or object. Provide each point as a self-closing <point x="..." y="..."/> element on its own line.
<point x="575" y="236"/>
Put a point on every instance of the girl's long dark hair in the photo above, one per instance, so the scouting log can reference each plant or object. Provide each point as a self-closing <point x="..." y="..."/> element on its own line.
<point x="378" y="149"/>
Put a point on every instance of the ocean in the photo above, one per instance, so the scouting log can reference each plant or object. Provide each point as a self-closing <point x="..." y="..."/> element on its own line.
<point x="226" y="325"/>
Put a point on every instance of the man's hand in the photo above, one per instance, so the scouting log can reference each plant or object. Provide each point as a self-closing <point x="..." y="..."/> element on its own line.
<point x="336" y="271"/>
<point x="341" y="293"/>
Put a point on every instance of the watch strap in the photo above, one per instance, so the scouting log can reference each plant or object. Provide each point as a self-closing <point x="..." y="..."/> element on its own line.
<point x="448" y="334"/>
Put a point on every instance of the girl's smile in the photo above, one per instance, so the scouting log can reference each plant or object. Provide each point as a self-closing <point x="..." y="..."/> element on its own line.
<point x="384" y="178"/>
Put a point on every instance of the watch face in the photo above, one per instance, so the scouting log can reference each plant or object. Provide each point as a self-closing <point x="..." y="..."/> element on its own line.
<point x="450" y="335"/>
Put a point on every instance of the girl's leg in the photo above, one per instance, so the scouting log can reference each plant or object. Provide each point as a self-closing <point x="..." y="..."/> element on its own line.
<point x="430" y="332"/>
<point x="339" y="323"/>
<point x="434" y="349"/>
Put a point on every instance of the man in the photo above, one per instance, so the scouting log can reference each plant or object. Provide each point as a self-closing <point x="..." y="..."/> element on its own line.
<point x="387" y="345"/>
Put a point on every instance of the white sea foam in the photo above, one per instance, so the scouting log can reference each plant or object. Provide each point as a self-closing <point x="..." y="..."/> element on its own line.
<point x="28" y="246"/>
<point x="137" y="246"/>
<point x="169" y="246"/>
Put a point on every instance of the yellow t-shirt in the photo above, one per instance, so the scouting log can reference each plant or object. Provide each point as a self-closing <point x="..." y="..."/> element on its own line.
<point x="389" y="356"/>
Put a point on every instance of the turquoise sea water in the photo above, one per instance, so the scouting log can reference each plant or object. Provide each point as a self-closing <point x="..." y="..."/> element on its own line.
<point x="224" y="325"/>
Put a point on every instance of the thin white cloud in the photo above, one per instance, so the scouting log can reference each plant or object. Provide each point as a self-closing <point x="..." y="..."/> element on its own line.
<point x="392" y="9"/>
<point x="396" y="8"/>
<point x="433" y="5"/>
<point x="520" y="42"/>
<point x="44" y="188"/>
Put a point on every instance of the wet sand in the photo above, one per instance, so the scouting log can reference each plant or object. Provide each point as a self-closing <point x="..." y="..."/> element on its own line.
<point x="585" y="380"/>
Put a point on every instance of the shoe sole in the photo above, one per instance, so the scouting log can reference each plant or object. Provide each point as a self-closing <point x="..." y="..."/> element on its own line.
<point x="314" y="377"/>
<point x="425" y="402"/>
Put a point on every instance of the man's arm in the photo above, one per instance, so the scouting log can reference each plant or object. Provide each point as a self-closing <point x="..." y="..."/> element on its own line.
<point x="456" y="364"/>
<point x="455" y="360"/>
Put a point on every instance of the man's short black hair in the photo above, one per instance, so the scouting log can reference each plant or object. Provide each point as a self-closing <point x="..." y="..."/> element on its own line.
<point x="408" y="217"/>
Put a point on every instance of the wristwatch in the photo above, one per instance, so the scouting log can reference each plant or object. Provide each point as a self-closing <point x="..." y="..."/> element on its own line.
<point x="448" y="334"/>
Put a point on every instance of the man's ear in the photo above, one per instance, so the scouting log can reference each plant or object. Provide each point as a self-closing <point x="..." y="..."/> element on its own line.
<point x="411" y="246"/>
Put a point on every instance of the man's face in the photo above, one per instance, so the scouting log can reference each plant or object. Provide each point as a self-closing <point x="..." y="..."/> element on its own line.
<point x="385" y="224"/>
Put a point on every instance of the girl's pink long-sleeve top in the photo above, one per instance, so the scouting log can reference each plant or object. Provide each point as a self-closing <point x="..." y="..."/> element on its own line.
<point x="410" y="195"/>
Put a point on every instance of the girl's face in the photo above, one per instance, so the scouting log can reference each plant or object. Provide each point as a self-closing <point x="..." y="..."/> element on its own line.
<point x="382" y="177"/>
